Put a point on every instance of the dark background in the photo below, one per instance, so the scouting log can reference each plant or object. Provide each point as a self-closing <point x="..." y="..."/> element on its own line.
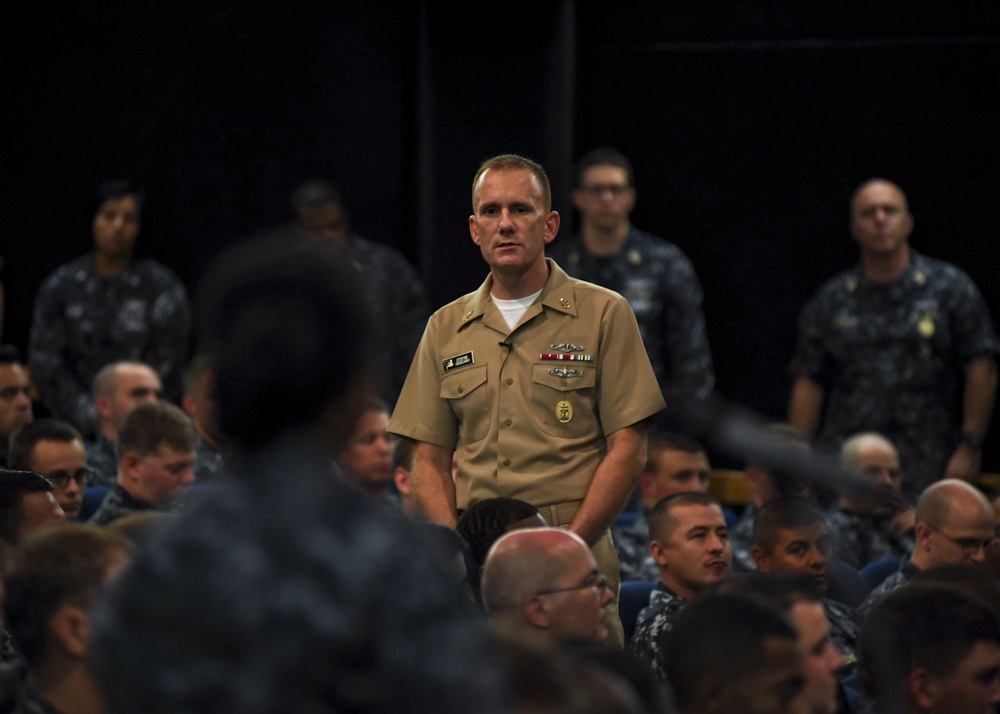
<point x="748" y="123"/>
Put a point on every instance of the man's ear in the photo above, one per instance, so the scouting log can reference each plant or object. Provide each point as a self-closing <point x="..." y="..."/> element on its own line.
<point x="130" y="465"/>
<point x="921" y="686"/>
<point x="535" y="612"/>
<point x="188" y="405"/>
<point x="70" y="628"/>
<point x="402" y="478"/>
<point x="102" y="403"/>
<point x="760" y="558"/>
<point x="921" y="533"/>
<point x="659" y="552"/>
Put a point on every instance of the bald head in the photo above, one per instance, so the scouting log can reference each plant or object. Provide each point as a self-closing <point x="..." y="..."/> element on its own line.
<point x="545" y="580"/>
<point x="874" y="457"/>
<point x="954" y="524"/>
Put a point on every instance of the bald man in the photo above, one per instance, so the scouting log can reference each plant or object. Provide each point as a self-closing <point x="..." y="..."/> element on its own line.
<point x="116" y="388"/>
<point x="867" y="528"/>
<point x="879" y="345"/>
<point x="544" y="584"/>
<point x="955" y="524"/>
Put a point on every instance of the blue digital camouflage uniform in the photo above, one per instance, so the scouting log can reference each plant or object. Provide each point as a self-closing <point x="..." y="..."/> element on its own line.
<point x="651" y="627"/>
<point x="660" y="285"/>
<point x="891" y="358"/>
<point x="83" y="321"/>
<point x="400" y="309"/>
<point x="897" y="580"/>
<point x="844" y="628"/>
<point x="861" y="539"/>
<point x="209" y="463"/>
<point x="632" y="546"/>
<point x="741" y="541"/>
<point x="117" y="504"/>
<point x="103" y="462"/>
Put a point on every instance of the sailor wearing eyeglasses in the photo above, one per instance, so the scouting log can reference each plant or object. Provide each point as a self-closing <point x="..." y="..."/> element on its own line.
<point x="955" y="524"/>
<point x="54" y="449"/>
<point x="544" y="583"/>
<point x="653" y="274"/>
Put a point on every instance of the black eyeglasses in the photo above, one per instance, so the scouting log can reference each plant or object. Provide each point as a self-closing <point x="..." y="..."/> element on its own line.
<point x="61" y="478"/>
<point x="968" y="545"/>
<point x="596" y="190"/>
<point x="600" y="583"/>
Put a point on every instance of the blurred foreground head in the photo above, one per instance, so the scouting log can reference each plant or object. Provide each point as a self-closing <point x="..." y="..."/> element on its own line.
<point x="288" y="326"/>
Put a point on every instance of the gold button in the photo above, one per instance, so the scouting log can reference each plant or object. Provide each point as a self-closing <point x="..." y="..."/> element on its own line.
<point x="506" y="462"/>
<point x="564" y="383"/>
<point x="508" y="422"/>
<point x="461" y="389"/>
<point x="509" y="380"/>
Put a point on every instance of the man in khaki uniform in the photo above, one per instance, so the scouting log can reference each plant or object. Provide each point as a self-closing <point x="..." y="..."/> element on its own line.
<point x="538" y="381"/>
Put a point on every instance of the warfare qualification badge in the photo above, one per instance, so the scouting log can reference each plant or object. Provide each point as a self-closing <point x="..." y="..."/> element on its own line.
<point x="564" y="412"/>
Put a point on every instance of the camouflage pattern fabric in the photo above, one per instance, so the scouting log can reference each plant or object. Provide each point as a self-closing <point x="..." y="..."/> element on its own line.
<point x="101" y="458"/>
<point x="890" y="358"/>
<point x="897" y="580"/>
<point x="660" y="285"/>
<point x="654" y="622"/>
<point x="117" y="504"/>
<point x="859" y="539"/>
<point x="632" y="546"/>
<point x="83" y="321"/>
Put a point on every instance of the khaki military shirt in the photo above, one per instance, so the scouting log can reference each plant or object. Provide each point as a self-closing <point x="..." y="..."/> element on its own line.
<point x="527" y="410"/>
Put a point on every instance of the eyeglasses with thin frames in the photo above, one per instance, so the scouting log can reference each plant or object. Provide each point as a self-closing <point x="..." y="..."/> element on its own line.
<point x="968" y="545"/>
<point x="599" y="584"/>
<point x="59" y="479"/>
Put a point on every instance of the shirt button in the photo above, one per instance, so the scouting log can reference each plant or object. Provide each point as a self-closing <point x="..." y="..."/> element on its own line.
<point x="506" y="462"/>
<point x="509" y="380"/>
<point x="564" y="383"/>
<point x="461" y="389"/>
<point x="508" y="422"/>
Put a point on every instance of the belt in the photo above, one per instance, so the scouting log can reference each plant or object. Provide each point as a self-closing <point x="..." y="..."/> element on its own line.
<point x="560" y="514"/>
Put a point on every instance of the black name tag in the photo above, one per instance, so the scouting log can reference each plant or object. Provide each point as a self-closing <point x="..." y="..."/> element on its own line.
<point x="458" y="361"/>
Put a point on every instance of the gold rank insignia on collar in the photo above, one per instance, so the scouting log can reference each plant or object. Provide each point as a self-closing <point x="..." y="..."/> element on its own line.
<point x="565" y="303"/>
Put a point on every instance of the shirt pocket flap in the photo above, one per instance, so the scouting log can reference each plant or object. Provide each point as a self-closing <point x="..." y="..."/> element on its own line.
<point x="462" y="382"/>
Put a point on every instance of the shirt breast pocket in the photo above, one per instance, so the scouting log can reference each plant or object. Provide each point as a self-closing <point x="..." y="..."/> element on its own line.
<point x="465" y="389"/>
<point x="564" y="400"/>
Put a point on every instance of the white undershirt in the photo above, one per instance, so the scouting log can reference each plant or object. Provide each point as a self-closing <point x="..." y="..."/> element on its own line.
<point x="513" y="310"/>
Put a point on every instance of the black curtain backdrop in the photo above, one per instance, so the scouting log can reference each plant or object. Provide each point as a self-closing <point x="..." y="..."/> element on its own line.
<point x="748" y="123"/>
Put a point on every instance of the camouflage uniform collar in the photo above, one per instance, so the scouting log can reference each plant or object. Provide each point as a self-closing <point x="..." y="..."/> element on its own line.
<point x="915" y="273"/>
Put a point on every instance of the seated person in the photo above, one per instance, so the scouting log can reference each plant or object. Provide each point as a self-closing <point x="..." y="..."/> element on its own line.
<point x="155" y="462"/>
<point x="198" y="402"/>
<point x="482" y="524"/>
<point x="674" y="464"/>
<point x="52" y="580"/>
<point x="765" y="486"/>
<point x="15" y="398"/>
<point x="931" y="648"/>
<point x="796" y="598"/>
<point x="54" y="449"/>
<point x="544" y="584"/>
<point x="866" y="529"/>
<point x="955" y="524"/>
<point x="690" y="544"/>
<point x="366" y="461"/>
<point x="26" y="504"/>
<point x="731" y="654"/>
<point x="117" y="387"/>
<point x="790" y="536"/>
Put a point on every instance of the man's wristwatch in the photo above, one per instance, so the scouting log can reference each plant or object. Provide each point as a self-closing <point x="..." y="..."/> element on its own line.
<point x="973" y="439"/>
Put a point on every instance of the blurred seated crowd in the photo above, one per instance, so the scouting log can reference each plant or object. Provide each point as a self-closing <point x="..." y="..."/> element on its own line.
<point x="240" y="532"/>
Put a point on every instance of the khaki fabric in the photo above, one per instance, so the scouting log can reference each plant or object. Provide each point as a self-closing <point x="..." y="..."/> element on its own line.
<point x="523" y="426"/>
